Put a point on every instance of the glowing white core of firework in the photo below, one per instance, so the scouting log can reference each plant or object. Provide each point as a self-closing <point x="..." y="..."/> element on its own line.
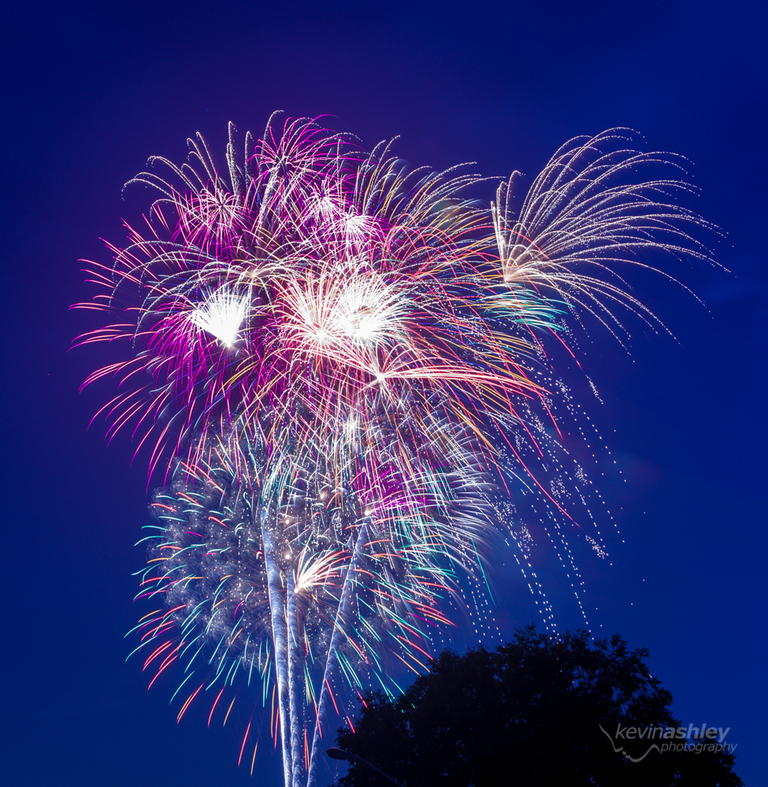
<point x="326" y="207"/>
<point x="356" y="226"/>
<point x="368" y="310"/>
<point x="221" y="315"/>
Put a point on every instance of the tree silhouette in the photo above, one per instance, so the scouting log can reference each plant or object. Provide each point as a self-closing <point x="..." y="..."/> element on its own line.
<point x="543" y="709"/>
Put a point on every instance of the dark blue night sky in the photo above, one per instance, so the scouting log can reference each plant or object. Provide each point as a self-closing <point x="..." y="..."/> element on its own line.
<point x="92" y="89"/>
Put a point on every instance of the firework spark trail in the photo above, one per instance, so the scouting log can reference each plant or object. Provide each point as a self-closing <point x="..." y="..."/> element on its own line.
<point x="339" y="364"/>
<point x="336" y="641"/>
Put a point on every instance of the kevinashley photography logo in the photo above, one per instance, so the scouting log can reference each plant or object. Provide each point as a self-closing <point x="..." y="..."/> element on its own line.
<point x="669" y="739"/>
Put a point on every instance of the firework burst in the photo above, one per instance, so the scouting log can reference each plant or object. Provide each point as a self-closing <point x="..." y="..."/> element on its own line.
<point x="297" y="567"/>
<point x="337" y="362"/>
